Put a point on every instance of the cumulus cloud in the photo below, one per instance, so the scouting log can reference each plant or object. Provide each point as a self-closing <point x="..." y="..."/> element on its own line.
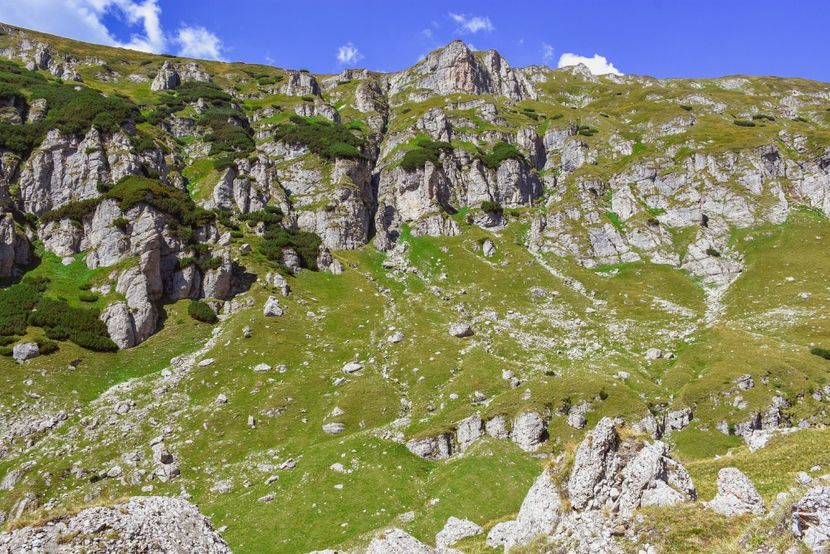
<point x="599" y="65"/>
<point x="472" y="23"/>
<point x="198" y="42"/>
<point x="547" y="52"/>
<point x="348" y="54"/>
<point x="84" y="20"/>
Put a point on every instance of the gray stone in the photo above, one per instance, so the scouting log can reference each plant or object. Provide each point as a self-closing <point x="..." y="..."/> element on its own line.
<point x="272" y="307"/>
<point x="25" y="351"/>
<point x="810" y="519"/>
<point x="736" y="494"/>
<point x="455" y="530"/>
<point x="461" y="330"/>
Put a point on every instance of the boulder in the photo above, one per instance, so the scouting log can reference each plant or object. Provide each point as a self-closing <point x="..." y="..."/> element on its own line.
<point x="272" y="307"/>
<point x="334" y="428"/>
<point x="736" y="495"/>
<point x="461" y="330"/>
<point x="25" y="351"/>
<point x="529" y="431"/>
<point x="488" y="248"/>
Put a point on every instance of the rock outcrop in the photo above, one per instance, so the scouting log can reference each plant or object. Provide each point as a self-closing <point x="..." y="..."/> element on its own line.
<point x="395" y="541"/>
<point x="811" y="519"/>
<point x="539" y="514"/>
<point x="141" y="524"/>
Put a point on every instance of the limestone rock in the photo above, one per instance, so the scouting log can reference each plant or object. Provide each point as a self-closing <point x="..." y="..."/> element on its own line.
<point x="539" y="514"/>
<point x="461" y="330"/>
<point x="529" y="431"/>
<point x="395" y="541"/>
<point x="141" y="524"/>
<point x="455" y="530"/>
<point x="272" y="308"/>
<point x="437" y="447"/>
<point x="25" y="351"/>
<point x="811" y="519"/>
<point x="736" y="494"/>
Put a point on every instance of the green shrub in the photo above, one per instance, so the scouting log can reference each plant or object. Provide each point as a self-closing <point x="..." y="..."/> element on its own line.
<point x="744" y="123"/>
<point x="686" y="107"/>
<point x="120" y="223"/>
<point x="133" y="190"/>
<point x="46" y="346"/>
<point x="200" y="311"/>
<point x="79" y="325"/>
<point x="270" y="215"/>
<point x="88" y="297"/>
<point x="5" y="341"/>
<point x="712" y="252"/>
<point x="75" y="210"/>
<point x="324" y="138"/>
<point x="501" y="151"/>
<point x="276" y="238"/>
<point x="15" y="304"/>
<point x="492" y="207"/>
<point x="427" y="150"/>
<point x="6" y="351"/>
<point x="761" y="116"/>
<point x="822" y="352"/>
<point x="586" y="131"/>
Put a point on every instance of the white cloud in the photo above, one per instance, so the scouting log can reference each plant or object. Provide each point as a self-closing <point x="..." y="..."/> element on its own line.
<point x="426" y="33"/>
<point x="348" y="54"/>
<point x="547" y="52"/>
<point x="598" y="65"/>
<point x="472" y="24"/>
<point x="84" y="20"/>
<point x="198" y="42"/>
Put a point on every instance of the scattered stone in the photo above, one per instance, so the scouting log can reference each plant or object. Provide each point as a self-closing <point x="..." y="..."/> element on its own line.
<point x="267" y="498"/>
<point x="352" y="367"/>
<point x="395" y="338"/>
<point x="437" y="447"/>
<point x="290" y="463"/>
<point x="654" y="354"/>
<point x="262" y="368"/>
<point x="488" y="248"/>
<point x="251" y="422"/>
<point x="247" y="332"/>
<point x="221" y="399"/>
<point x="206" y="362"/>
<point x="334" y="428"/>
<point x="461" y="330"/>
<point x="272" y="307"/>
<point x="736" y="495"/>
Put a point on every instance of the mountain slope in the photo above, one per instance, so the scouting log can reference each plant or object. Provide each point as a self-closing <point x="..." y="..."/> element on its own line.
<point x="321" y="305"/>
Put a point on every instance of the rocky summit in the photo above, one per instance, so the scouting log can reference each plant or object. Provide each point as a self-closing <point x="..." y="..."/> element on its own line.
<point x="463" y="307"/>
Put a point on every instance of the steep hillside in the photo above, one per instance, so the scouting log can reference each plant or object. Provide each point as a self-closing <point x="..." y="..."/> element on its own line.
<point x="320" y="306"/>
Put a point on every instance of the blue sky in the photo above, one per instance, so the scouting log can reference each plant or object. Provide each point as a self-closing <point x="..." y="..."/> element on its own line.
<point x="663" y="38"/>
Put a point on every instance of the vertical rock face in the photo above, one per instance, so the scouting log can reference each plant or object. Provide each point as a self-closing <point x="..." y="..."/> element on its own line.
<point x="300" y="83"/>
<point x="172" y="75"/>
<point x="15" y="249"/>
<point x="142" y="524"/>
